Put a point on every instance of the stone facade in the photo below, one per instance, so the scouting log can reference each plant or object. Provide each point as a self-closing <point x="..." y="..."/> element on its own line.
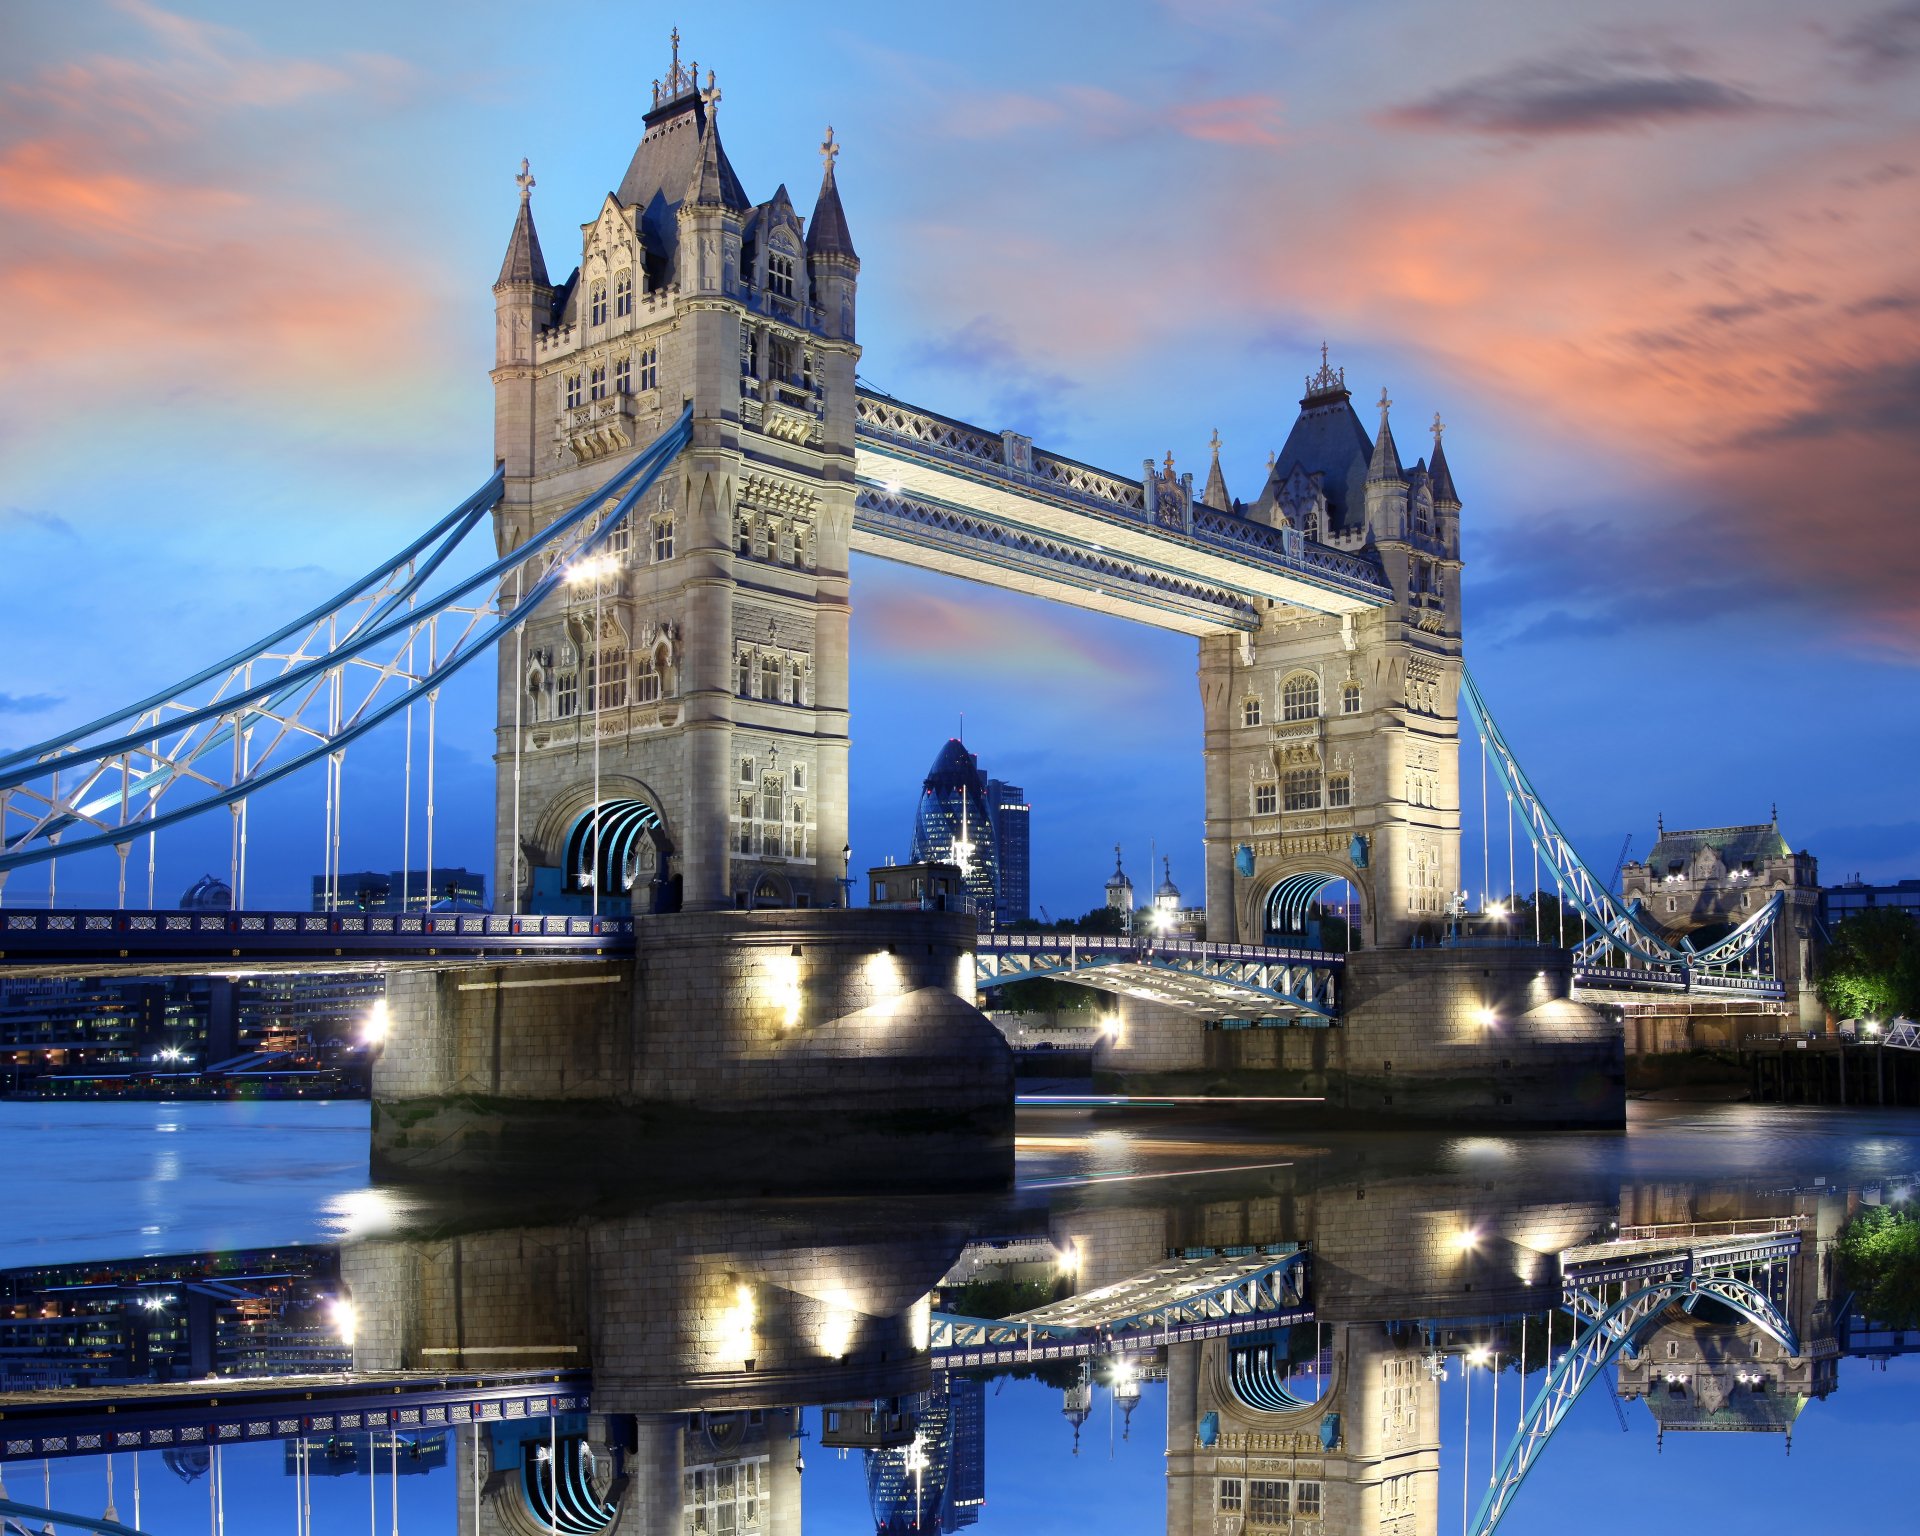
<point x="801" y="1044"/>
<point x="701" y="677"/>
<point x="1332" y="742"/>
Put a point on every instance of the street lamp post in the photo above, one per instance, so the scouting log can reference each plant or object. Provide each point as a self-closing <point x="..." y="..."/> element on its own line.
<point x="846" y="875"/>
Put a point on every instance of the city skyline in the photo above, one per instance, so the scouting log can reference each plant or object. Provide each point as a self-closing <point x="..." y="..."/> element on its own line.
<point x="1649" y="427"/>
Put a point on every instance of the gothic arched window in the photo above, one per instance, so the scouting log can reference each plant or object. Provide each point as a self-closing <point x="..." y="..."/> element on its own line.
<point x="1300" y="789"/>
<point x="1339" y="791"/>
<point x="623" y="292"/>
<point x="1350" y="698"/>
<point x="597" y="305"/>
<point x="1250" y="712"/>
<point x="1300" y="697"/>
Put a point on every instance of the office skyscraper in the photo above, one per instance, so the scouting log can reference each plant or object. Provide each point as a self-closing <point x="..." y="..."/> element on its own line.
<point x="1009" y="811"/>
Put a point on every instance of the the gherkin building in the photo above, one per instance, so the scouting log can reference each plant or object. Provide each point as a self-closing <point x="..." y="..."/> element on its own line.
<point x="952" y="824"/>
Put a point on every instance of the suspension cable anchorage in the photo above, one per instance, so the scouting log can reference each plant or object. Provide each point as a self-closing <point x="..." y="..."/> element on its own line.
<point x="173" y="744"/>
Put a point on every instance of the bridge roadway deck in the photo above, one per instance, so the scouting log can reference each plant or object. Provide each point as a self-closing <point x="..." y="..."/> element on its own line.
<point x="989" y="506"/>
<point x="1207" y="981"/>
<point x="58" y="944"/>
<point x="230" y="1411"/>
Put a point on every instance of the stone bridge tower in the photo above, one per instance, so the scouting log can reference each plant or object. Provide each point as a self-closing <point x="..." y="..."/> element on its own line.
<point x="699" y="673"/>
<point x="1332" y="744"/>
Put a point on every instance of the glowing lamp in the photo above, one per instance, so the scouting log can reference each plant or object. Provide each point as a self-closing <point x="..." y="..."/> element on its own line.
<point x="373" y="1030"/>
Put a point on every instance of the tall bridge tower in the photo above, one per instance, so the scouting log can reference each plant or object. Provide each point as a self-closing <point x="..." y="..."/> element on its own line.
<point x="674" y="731"/>
<point x="1332" y="742"/>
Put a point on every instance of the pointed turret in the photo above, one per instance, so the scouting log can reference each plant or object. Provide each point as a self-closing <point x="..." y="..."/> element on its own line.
<point x="1385" y="464"/>
<point x="831" y="263"/>
<point x="1215" y="495"/>
<point x="710" y="186"/>
<point x="1443" y="491"/>
<point x="827" y="233"/>
<point x="524" y="263"/>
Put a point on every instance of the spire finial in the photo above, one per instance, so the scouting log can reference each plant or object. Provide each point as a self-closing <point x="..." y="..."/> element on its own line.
<point x="524" y="181"/>
<point x="1169" y="463"/>
<point x="829" y="152"/>
<point x="1272" y="459"/>
<point x="680" y="78"/>
<point x="1386" y="404"/>
<point x="1116" y="858"/>
<point x="1215" y="445"/>
<point x="1329" y="379"/>
<point x="710" y="99"/>
<point x="1439" y="427"/>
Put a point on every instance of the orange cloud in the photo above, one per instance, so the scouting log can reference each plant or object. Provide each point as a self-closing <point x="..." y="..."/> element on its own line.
<point x="159" y="249"/>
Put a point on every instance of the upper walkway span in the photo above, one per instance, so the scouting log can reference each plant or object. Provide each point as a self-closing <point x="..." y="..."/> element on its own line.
<point x="989" y="506"/>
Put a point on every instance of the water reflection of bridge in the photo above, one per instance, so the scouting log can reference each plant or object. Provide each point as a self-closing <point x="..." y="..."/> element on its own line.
<point x="648" y="1365"/>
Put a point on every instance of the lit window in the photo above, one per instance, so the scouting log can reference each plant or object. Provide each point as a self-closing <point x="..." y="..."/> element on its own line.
<point x="662" y="538"/>
<point x="597" y="381"/>
<point x="623" y="293"/>
<point x="1339" y="790"/>
<point x="1350" y="699"/>
<point x="649" y="368"/>
<point x="573" y="390"/>
<point x="623" y="375"/>
<point x="597" y="305"/>
<point x="1301" y="789"/>
<point x="1250" y="712"/>
<point x="780" y="274"/>
<point x="1266" y="1502"/>
<point x="1300" y="697"/>
<point x="1229" y="1495"/>
<point x="1266" y="799"/>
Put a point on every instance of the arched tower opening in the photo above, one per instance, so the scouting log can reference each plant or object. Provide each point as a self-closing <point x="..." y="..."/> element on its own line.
<point x="1317" y="909"/>
<point x="620" y="848"/>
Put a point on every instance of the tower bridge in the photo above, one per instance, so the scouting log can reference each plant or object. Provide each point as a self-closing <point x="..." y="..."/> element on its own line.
<point x="684" y="465"/>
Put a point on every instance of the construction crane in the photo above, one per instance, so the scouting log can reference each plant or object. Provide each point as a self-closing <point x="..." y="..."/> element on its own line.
<point x="1620" y="864"/>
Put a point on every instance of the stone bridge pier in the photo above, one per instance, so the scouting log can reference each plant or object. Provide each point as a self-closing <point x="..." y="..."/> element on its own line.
<point x="736" y="1050"/>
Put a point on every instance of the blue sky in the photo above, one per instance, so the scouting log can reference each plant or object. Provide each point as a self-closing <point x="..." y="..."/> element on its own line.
<point x="1654" y="268"/>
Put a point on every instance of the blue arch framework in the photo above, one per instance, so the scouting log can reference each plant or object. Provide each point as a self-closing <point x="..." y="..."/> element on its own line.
<point x="1289" y="900"/>
<point x="560" y="1495"/>
<point x="1623" y="1326"/>
<point x="603" y="849"/>
<point x="1257" y="1375"/>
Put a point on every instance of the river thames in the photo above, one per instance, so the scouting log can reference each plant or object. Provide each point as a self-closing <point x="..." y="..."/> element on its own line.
<point x="1432" y="1261"/>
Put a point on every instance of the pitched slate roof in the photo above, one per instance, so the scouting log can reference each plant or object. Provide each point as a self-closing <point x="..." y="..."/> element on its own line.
<point x="1735" y="845"/>
<point x="665" y="164"/>
<point x="1327" y="439"/>
<point x="524" y="263"/>
<point x="827" y="233"/>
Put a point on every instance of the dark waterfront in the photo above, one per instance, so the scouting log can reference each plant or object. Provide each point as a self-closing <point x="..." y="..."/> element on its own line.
<point x="731" y="1343"/>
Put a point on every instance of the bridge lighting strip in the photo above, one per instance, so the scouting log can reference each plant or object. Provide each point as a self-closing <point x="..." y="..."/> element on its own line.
<point x="1134" y="1178"/>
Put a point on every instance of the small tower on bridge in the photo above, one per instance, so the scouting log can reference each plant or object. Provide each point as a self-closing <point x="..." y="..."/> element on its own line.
<point x="700" y="674"/>
<point x="1332" y="744"/>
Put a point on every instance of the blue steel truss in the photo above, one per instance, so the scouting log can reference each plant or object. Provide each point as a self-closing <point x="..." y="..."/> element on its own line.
<point x="306" y="691"/>
<point x="1616" y="925"/>
<point x="1180" y="1300"/>
<point x="1621" y="1326"/>
<point x="1221" y="980"/>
